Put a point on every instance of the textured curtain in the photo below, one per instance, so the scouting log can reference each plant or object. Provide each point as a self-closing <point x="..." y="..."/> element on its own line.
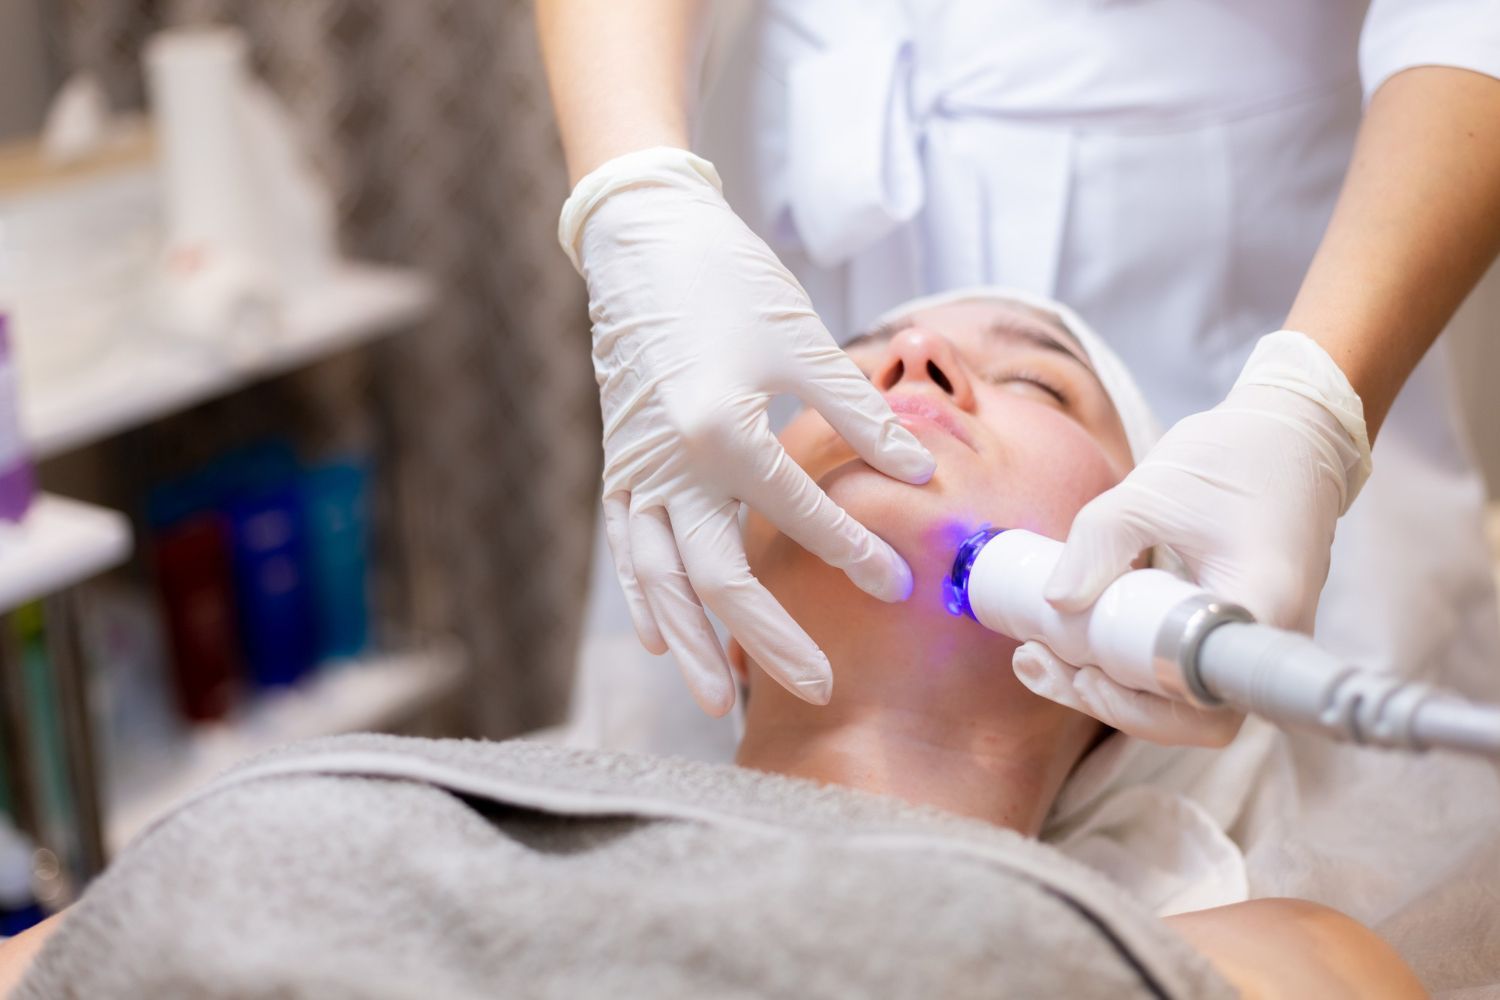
<point x="431" y="122"/>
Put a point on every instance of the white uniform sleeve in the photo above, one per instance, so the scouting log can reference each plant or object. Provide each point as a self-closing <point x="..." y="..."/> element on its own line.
<point x="1400" y="34"/>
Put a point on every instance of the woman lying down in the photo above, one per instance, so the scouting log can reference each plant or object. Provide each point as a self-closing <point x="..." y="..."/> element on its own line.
<point x="881" y="845"/>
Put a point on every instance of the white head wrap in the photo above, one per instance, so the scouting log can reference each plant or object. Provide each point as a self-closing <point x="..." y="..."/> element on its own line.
<point x="1150" y="817"/>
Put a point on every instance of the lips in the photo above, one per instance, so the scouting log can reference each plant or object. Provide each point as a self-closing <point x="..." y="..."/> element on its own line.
<point x="932" y="411"/>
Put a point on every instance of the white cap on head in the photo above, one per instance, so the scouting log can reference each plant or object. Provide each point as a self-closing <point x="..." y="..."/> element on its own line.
<point x="1141" y="428"/>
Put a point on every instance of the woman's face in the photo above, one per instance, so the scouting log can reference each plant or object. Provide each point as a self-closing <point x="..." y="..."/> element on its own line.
<point x="1007" y="402"/>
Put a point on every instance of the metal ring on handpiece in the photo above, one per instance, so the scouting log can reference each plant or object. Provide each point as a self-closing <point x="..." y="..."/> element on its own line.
<point x="1175" y="656"/>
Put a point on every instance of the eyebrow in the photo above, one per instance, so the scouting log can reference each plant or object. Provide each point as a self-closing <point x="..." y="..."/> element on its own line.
<point x="1039" y="336"/>
<point x="881" y="333"/>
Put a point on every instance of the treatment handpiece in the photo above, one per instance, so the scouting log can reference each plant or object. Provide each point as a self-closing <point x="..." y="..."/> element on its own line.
<point x="1155" y="632"/>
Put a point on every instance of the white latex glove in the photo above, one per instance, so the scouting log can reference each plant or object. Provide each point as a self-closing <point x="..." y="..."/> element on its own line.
<point x="1247" y="495"/>
<point x="696" y="326"/>
<point x="1140" y="713"/>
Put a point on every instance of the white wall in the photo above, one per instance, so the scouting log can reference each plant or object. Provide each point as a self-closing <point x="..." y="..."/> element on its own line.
<point x="24" y="78"/>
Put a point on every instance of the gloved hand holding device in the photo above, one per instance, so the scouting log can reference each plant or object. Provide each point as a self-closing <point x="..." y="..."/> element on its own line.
<point x="1247" y="495"/>
<point x="697" y="325"/>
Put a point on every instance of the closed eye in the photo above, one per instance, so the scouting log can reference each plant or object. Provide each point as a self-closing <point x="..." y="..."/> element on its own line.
<point x="1031" y="379"/>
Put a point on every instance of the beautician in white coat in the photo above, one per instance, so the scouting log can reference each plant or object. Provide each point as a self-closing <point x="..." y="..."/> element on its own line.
<point x="1318" y="182"/>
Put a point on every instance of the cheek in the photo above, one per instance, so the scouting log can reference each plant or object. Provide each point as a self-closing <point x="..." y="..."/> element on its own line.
<point x="1048" y="476"/>
<point x="1036" y="475"/>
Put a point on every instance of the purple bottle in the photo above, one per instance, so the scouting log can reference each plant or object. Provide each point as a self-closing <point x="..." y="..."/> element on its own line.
<point x="17" y="476"/>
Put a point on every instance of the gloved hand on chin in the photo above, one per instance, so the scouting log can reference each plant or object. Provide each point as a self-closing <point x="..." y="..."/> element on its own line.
<point x="1247" y="495"/>
<point x="697" y="326"/>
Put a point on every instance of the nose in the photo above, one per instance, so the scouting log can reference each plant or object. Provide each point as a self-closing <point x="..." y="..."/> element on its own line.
<point x="917" y="358"/>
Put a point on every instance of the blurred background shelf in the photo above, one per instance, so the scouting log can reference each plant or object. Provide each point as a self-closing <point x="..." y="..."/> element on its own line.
<point x="61" y="542"/>
<point x="375" y="481"/>
<point x="65" y="542"/>
<point x="123" y="390"/>
<point x="375" y="693"/>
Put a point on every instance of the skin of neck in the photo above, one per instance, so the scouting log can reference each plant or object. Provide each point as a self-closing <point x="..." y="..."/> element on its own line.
<point x="925" y="707"/>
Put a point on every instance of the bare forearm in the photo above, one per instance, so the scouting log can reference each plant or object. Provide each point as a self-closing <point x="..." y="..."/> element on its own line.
<point x="1273" y="948"/>
<point x="1416" y="225"/>
<point x="621" y="74"/>
<point x="17" y="953"/>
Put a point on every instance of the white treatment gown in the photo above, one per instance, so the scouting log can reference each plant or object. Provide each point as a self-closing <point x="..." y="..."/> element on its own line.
<point x="1167" y="168"/>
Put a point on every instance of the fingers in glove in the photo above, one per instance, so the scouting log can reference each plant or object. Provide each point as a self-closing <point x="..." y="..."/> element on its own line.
<point x="1152" y="717"/>
<point x="856" y="409"/>
<point x="617" y="530"/>
<point x="1107" y="535"/>
<point x="714" y="555"/>
<point x="788" y="497"/>
<point x="1137" y="713"/>
<point x="675" y="608"/>
<point x="1046" y="675"/>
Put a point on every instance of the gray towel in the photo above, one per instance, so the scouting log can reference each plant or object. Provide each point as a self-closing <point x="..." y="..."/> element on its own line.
<point x="380" y="866"/>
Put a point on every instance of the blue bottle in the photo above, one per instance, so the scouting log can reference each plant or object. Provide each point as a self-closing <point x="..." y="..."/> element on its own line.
<point x="263" y="506"/>
<point x="19" y="908"/>
<point x="336" y="502"/>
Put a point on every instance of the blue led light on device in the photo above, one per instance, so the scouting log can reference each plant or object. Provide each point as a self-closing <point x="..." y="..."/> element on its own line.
<point x="956" y="583"/>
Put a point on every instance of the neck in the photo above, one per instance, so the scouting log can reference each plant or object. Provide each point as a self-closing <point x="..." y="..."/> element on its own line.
<point x="926" y="710"/>
<point x="962" y="771"/>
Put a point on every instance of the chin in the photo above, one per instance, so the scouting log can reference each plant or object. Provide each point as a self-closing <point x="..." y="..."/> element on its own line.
<point x="925" y="524"/>
<point x="898" y="512"/>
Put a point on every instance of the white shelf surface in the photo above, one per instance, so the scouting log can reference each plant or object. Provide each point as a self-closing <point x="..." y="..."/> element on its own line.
<point x="154" y="376"/>
<point x="359" y="696"/>
<point x="61" y="542"/>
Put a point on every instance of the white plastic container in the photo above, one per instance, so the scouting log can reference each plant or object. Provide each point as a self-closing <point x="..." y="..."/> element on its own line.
<point x="78" y="246"/>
